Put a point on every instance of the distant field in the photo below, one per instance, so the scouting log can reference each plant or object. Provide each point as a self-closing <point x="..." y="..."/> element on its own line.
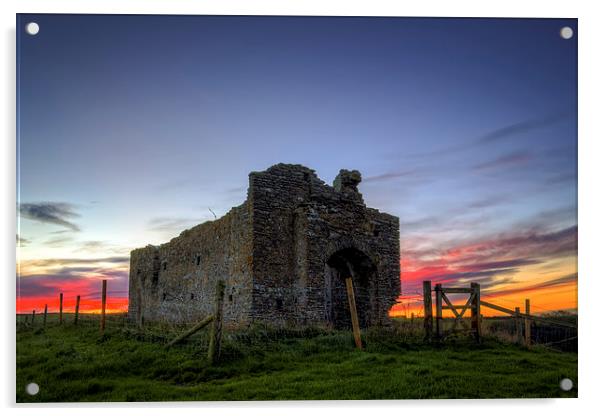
<point x="79" y="364"/>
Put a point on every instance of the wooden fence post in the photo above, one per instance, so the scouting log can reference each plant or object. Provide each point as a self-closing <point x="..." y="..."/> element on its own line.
<point x="475" y="311"/>
<point x="428" y="309"/>
<point x="33" y="316"/>
<point x="517" y="325"/>
<point x="45" y="314"/>
<point x="352" y="308"/>
<point x="60" y="308"/>
<point x="215" y="339"/>
<point x="76" y="310"/>
<point x="439" y="311"/>
<point x="104" y="305"/>
<point x="527" y="323"/>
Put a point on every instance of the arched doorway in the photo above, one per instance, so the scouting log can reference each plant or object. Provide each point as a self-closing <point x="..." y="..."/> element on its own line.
<point x="345" y="263"/>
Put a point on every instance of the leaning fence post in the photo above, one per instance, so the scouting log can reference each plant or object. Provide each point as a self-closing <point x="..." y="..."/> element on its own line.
<point x="215" y="339"/>
<point x="352" y="308"/>
<point x="191" y="331"/>
<point x="76" y="310"/>
<point x="527" y="323"/>
<point x="45" y="314"/>
<point x="439" y="310"/>
<point x="517" y="324"/>
<point x="428" y="309"/>
<point x="60" y="308"/>
<point x="104" y="305"/>
<point x="475" y="311"/>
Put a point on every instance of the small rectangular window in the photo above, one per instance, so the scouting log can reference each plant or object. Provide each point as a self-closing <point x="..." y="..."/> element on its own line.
<point x="164" y="265"/>
<point x="198" y="260"/>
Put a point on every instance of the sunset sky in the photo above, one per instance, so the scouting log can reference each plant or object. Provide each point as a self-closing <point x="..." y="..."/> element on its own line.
<point x="132" y="128"/>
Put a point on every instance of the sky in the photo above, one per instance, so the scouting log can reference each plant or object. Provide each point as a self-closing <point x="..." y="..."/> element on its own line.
<point x="133" y="128"/>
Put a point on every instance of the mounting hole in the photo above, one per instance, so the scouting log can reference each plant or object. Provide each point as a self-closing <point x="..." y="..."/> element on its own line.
<point x="32" y="389"/>
<point x="32" y="28"/>
<point x="566" y="32"/>
<point x="566" y="384"/>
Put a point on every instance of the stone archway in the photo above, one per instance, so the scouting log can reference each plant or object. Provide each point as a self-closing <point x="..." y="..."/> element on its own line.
<point x="348" y="262"/>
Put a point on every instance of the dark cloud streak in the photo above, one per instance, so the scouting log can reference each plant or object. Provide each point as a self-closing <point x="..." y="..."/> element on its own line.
<point x="57" y="213"/>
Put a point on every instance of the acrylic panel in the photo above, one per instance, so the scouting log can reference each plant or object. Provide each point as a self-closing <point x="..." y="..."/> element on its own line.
<point x="295" y="208"/>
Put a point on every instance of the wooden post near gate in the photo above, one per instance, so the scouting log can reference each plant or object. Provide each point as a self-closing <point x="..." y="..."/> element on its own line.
<point x="33" y="317"/>
<point x="428" y="309"/>
<point x="76" y="310"/>
<point x="475" y="311"/>
<point x="517" y="324"/>
<point x="527" y="323"/>
<point x="439" y="311"/>
<point x="60" y="308"/>
<point x="104" y="306"/>
<point x="45" y="314"/>
<point x="215" y="340"/>
<point x="352" y="308"/>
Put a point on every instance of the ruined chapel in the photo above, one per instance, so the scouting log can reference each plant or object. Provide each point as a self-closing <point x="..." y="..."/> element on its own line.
<point x="283" y="254"/>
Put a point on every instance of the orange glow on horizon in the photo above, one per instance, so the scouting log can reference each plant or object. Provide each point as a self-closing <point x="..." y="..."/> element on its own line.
<point x="93" y="306"/>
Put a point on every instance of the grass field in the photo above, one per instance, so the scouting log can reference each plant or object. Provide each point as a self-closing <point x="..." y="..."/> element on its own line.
<point x="72" y="363"/>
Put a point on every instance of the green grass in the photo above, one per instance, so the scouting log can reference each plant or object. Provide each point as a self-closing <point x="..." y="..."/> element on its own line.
<point x="79" y="364"/>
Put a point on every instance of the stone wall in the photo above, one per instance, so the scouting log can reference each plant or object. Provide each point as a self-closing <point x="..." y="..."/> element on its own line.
<point x="176" y="281"/>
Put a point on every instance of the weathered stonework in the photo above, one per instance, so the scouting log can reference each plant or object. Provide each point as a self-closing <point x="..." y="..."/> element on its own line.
<point x="283" y="254"/>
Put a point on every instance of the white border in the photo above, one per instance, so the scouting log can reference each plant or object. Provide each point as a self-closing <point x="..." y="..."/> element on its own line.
<point x="590" y="152"/>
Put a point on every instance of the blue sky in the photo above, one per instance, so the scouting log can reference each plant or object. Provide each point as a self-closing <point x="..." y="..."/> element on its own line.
<point x="132" y="127"/>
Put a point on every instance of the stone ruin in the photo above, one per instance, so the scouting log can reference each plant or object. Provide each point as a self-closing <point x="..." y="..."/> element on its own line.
<point x="283" y="254"/>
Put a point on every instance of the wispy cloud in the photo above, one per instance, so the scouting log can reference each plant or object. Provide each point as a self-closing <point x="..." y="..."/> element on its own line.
<point x="390" y="175"/>
<point x="100" y="247"/>
<point x="57" y="213"/>
<point x="524" y="127"/>
<point x="22" y="242"/>
<point x="502" y="133"/>
<point x="58" y="242"/>
<point x="73" y="282"/>
<point x="70" y="262"/>
<point x="560" y="281"/>
<point x="40" y="281"/>
<point x="173" y="225"/>
<point x="511" y="159"/>
<point x="489" y="257"/>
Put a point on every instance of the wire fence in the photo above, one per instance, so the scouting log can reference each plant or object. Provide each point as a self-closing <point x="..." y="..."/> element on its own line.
<point x="556" y="331"/>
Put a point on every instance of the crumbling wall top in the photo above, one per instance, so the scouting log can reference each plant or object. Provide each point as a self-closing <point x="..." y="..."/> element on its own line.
<point x="347" y="180"/>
